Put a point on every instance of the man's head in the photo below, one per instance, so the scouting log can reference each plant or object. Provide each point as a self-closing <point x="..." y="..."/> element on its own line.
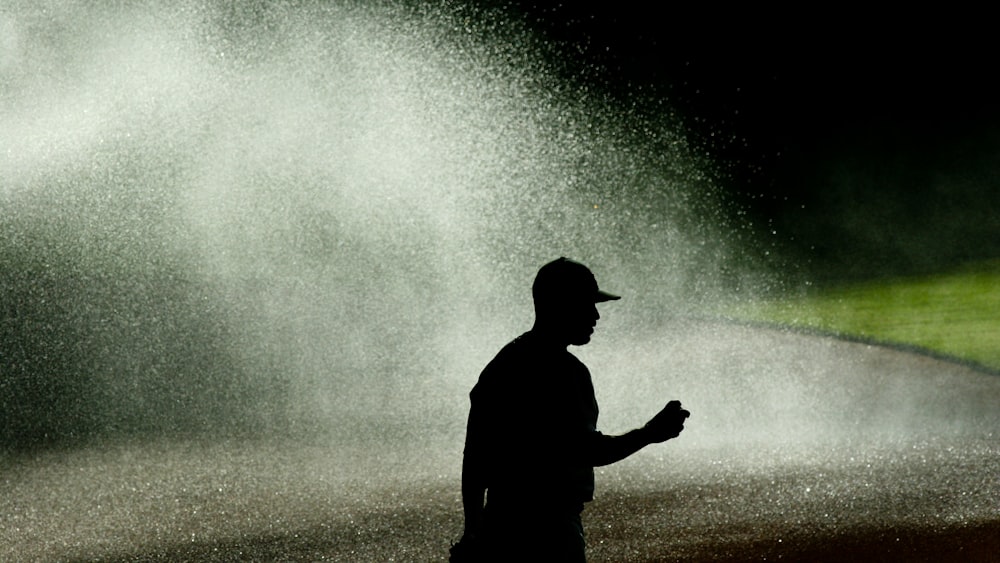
<point x="565" y="294"/>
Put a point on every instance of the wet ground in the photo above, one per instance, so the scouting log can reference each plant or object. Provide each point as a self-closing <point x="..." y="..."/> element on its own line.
<point x="886" y="496"/>
<point x="922" y="502"/>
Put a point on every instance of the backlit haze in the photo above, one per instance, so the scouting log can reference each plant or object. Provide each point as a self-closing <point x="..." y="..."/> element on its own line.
<point x="322" y="220"/>
<point x="264" y="218"/>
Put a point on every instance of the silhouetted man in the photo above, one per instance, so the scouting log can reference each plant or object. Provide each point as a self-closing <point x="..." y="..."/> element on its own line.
<point x="532" y="441"/>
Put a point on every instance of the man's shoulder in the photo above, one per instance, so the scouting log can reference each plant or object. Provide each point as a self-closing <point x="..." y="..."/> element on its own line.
<point x="513" y="353"/>
<point x="529" y="355"/>
<point x="516" y="357"/>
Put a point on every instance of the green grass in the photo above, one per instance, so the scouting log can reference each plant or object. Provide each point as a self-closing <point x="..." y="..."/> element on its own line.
<point x="956" y="313"/>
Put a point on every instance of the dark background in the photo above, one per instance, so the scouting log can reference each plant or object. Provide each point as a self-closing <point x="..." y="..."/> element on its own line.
<point x="862" y="144"/>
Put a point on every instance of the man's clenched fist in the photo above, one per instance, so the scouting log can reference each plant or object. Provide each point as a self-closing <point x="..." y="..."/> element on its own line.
<point x="667" y="423"/>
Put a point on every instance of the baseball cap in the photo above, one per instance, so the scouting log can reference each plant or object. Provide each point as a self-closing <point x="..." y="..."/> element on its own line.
<point x="562" y="278"/>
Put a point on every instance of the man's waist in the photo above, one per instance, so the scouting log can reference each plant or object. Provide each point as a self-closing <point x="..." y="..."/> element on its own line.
<point x="563" y="498"/>
<point x="533" y="507"/>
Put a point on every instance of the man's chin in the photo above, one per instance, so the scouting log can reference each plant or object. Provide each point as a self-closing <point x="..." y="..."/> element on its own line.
<point x="581" y="340"/>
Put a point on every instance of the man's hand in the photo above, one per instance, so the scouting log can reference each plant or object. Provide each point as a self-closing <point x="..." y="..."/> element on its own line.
<point x="667" y="423"/>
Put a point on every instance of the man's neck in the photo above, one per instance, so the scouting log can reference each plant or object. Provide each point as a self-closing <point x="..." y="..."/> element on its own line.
<point x="548" y="336"/>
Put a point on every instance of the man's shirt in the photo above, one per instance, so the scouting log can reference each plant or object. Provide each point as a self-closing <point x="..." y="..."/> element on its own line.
<point x="532" y="433"/>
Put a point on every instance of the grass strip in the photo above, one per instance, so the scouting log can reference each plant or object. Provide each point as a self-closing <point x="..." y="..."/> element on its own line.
<point x="956" y="313"/>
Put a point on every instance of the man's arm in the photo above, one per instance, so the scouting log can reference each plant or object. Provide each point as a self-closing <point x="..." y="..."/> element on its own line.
<point x="605" y="450"/>
<point x="473" y="496"/>
<point x="667" y="424"/>
<point x="474" y="468"/>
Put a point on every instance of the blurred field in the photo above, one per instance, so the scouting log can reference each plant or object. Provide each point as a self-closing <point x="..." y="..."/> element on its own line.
<point x="954" y="313"/>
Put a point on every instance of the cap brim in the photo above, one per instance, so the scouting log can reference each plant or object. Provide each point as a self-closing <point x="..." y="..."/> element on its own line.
<point x="603" y="296"/>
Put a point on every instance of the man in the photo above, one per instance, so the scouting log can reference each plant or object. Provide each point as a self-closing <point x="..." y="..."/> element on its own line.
<point x="532" y="441"/>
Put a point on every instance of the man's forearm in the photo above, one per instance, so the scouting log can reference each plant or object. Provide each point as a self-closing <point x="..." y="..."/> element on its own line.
<point x="606" y="450"/>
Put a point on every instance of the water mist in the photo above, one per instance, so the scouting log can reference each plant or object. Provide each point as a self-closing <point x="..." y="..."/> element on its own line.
<point x="255" y="216"/>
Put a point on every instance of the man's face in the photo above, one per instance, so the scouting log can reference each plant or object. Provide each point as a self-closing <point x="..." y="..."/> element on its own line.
<point x="577" y="319"/>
